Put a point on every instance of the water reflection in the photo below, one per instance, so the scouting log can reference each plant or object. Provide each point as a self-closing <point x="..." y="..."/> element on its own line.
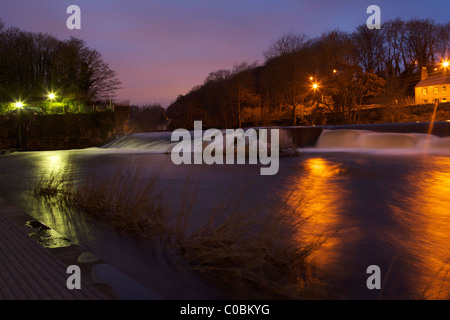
<point x="369" y="207"/>
<point x="317" y="194"/>
<point x="54" y="161"/>
<point x="51" y="210"/>
<point x="426" y="213"/>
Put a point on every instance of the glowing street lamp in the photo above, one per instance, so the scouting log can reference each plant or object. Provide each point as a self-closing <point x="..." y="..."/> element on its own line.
<point x="19" y="106"/>
<point x="52" y="97"/>
<point x="315" y="86"/>
<point x="445" y="65"/>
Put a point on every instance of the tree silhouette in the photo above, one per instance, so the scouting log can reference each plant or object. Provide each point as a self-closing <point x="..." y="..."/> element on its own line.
<point x="34" y="64"/>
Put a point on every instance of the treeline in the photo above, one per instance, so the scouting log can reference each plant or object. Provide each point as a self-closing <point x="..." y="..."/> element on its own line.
<point x="146" y="118"/>
<point x="34" y="65"/>
<point x="335" y="72"/>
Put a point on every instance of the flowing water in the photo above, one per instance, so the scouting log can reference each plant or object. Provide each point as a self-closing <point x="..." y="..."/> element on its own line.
<point x="382" y="198"/>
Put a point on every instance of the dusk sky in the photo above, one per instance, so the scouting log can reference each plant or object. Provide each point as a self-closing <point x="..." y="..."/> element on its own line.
<point x="163" y="48"/>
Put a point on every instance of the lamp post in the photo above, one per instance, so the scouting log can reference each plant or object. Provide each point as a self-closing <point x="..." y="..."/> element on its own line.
<point x="315" y="87"/>
<point x="19" y="106"/>
<point x="52" y="97"/>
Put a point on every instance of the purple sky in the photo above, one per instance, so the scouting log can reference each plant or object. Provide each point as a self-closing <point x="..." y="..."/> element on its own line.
<point x="163" y="48"/>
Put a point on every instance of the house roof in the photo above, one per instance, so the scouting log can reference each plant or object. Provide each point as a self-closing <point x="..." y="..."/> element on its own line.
<point x="434" y="81"/>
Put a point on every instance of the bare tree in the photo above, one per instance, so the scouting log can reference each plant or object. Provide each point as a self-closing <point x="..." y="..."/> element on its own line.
<point x="288" y="43"/>
<point x="147" y="118"/>
<point x="393" y="30"/>
<point x="420" y="43"/>
<point x="33" y="63"/>
<point x="368" y="48"/>
<point x="218" y="75"/>
<point x="85" y="69"/>
<point x="242" y="87"/>
<point x="331" y="50"/>
<point x="444" y="40"/>
<point x="287" y="82"/>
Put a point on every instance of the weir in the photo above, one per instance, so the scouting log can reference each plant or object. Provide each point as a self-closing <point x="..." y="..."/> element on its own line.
<point x="413" y="136"/>
<point x="370" y="136"/>
<point x="438" y="128"/>
<point x="299" y="137"/>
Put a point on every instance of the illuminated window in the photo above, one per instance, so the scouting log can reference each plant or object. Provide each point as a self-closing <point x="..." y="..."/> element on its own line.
<point x="425" y="90"/>
<point x="444" y="100"/>
<point x="436" y="89"/>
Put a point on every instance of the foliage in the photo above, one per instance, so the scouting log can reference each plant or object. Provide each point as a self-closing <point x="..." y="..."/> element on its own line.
<point x="146" y="118"/>
<point x="351" y="70"/>
<point x="32" y="65"/>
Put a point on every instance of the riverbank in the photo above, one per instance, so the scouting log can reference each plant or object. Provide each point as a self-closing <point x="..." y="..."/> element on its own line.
<point x="25" y="131"/>
<point x="29" y="271"/>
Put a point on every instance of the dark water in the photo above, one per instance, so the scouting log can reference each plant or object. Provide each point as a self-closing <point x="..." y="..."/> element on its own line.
<point x="382" y="200"/>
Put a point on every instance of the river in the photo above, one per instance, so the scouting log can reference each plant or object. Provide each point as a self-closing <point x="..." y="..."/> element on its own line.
<point x="382" y="199"/>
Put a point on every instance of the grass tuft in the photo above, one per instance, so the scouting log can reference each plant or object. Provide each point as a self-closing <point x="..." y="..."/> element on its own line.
<point x="261" y="252"/>
<point x="122" y="201"/>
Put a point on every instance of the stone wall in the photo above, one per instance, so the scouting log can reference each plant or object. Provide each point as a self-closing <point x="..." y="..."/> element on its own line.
<point x="26" y="131"/>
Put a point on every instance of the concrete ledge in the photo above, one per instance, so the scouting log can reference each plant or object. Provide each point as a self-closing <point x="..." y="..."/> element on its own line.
<point x="28" y="271"/>
<point x="303" y="137"/>
<point x="34" y="260"/>
<point x="439" y="128"/>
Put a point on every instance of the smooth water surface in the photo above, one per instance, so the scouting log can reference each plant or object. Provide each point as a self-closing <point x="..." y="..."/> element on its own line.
<point x="381" y="198"/>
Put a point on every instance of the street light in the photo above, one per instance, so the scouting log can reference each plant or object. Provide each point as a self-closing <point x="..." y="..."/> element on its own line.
<point x="315" y="87"/>
<point x="19" y="106"/>
<point x="445" y="65"/>
<point x="52" y="97"/>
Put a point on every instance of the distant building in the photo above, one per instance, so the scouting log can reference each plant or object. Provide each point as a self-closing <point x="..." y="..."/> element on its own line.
<point x="433" y="89"/>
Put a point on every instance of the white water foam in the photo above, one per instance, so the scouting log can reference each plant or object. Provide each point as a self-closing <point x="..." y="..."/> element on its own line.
<point x="345" y="140"/>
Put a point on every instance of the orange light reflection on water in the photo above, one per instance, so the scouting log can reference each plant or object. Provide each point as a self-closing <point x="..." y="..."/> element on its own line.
<point x="317" y="195"/>
<point x="427" y="213"/>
